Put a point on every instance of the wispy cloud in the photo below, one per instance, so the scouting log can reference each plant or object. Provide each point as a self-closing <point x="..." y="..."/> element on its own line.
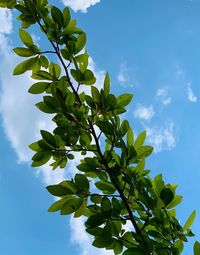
<point x="5" y="21"/>
<point x="123" y="75"/>
<point x="191" y="95"/>
<point x="161" y="138"/>
<point x="144" y="112"/>
<point x="80" y="5"/>
<point x="162" y="94"/>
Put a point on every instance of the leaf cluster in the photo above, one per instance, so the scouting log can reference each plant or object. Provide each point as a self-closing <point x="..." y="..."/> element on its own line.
<point x="124" y="190"/>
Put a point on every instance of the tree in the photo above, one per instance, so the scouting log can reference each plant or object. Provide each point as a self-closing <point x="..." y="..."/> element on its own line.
<point x="124" y="191"/>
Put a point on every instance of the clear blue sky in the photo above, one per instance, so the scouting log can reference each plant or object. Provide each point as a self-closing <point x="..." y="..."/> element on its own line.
<point x="151" y="49"/>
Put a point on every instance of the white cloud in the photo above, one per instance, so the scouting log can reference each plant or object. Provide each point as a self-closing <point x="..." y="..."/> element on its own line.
<point x="161" y="138"/>
<point x="123" y="75"/>
<point x="143" y="112"/>
<point x="162" y="94"/>
<point x="191" y="95"/>
<point x="5" y="21"/>
<point x="80" y="5"/>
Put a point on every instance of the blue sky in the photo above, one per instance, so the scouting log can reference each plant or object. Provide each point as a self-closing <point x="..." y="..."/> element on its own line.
<point x="151" y="49"/>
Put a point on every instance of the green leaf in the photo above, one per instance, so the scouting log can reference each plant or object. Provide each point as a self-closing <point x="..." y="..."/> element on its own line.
<point x="70" y="100"/>
<point x="177" y="200"/>
<point x="66" y="17"/>
<point x="105" y="204"/>
<point x="34" y="146"/>
<point x="39" y="87"/>
<point x="71" y="205"/>
<point x="65" y="54"/>
<point x="130" y="137"/>
<point x="95" y="198"/>
<point x="80" y="43"/>
<point x="25" y="66"/>
<point x="167" y="196"/>
<point x="44" y="61"/>
<point x="118" y="247"/>
<point x="102" y="242"/>
<point x="88" y="78"/>
<point x="133" y="251"/>
<point x="124" y="99"/>
<point x="23" y="52"/>
<point x="144" y="151"/>
<point x="58" y="204"/>
<point x="44" y="108"/>
<point x="84" y="167"/>
<point x="105" y="187"/>
<point x="95" y="94"/>
<point x="81" y="182"/>
<point x="107" y="85"/>
<point x="124" y="127"/>
<point x="41" y="158"/>
<point x="196" y="248"/>
<point x="54" y="70"/>
<point x="26" y="38"/>
<point x="140" y="139"/>
<point x="106" y="127"/>
<point x="95" y="221"/>
<point x="57" y="16"/>
<point x="189" y="221"/>
<point x="42" y="75"/>
<point x="58" y="190"/>
<point x="77" y="75"/>
<point x="48" y="137"/>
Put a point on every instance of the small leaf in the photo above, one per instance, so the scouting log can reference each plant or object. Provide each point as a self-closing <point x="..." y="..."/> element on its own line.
<point x="24" y="66"/>
<point x="58" y="204"/>
<point x="65" y="53"/>
<point x="26" y="38"/>
<point x="81" y="182"/>
<point x="57" y="16"/>
<point x="66" y="17"/>
<point x="106" y="127"/>
<point x="118" y="247"/>
<point x="59" y="190"/>
<point x="177" y="200"/>
<point x="95" y="221"/>
<point x="124" y="127"/>
<point x="48" y="137"/>
<point x="70" y="100"/>
<point x="23" y="52"/>
<point x="196" y="248"/>
<point x="189" y="221"/>
<point x="107" y="85"/>
<point x="140" y="139"/>
<point x="105" y="204"/>
<point x="41" y="158"/>
<point x="102" y="242"/>
<point x="80" y="43"/>
<point x="167" y="196"/>
<point x="95" y="94"/>
<point x="34" y="146"/>
<point x="130" y="137"/>
<point x="124" y="99"/>
<point x="71" y="205"/>
<point x="39" y="87"/>
<point x="105" y="187"/>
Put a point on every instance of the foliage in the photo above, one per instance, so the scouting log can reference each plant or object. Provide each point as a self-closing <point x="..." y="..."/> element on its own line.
<point x="124" y="191"/>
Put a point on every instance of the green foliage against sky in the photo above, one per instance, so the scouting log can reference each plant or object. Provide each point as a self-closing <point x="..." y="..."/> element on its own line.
<point x="90" y="124"/>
